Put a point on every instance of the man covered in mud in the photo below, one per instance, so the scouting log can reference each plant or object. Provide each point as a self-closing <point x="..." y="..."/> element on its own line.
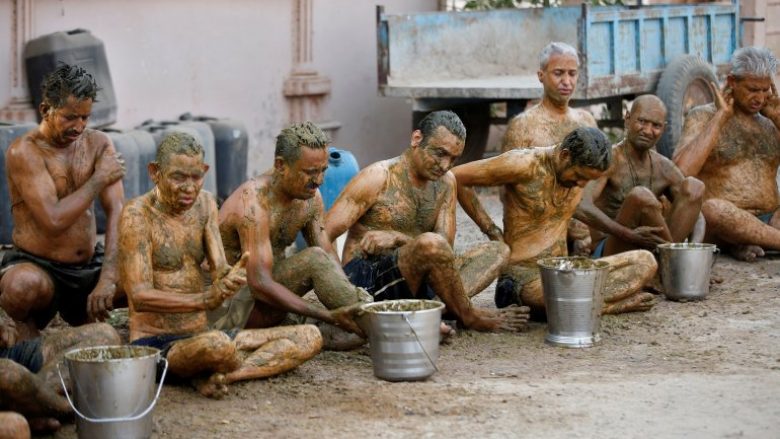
<point x="732" y="145"/>
<point x="625" y="206"/>
<point x="543" y="186"/>
<point x="263" y="217"/>
<point x="55" y="172"/>
<point x="400" y="214"/>
<point x="29" y="387"/>
<point x="165" y="235"/>
<point x="548" y="122"/>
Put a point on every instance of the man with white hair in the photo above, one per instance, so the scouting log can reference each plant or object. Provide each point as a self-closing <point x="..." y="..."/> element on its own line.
<point x="733" y="146"/>
<point x="549" y="121"/>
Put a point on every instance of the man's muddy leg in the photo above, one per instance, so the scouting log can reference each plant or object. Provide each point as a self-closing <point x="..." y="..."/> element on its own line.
<point x="24" y="392"/>
<point x="24" y="289"/>
<point x="480" y="265"/>
<point x="269" y="352"/>
<point x="56" y="344"/>
<point x="429" y="257"/>
<point x="212" y="353"/>
<point x="685" y="209"/>
<point x="629" y="272"/>
<point x="13" y="426"/>
<point x="745" y="234"/>
<point x="640" y="208"/>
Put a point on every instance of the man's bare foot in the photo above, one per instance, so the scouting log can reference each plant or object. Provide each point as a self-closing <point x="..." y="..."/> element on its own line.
<point x="446" y="332"/>
<point x="214" y="387"/>
<point x="747" y="253"/>
<point x="513" y="318"/>
<point x="637" y="303"/>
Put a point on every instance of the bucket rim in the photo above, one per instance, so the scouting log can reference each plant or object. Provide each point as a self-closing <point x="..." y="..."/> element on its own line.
<point x="437" y="306"/>
<point x="147" y="352"/>
<point x="687" y="246"/>
<point x="546" y="263"/>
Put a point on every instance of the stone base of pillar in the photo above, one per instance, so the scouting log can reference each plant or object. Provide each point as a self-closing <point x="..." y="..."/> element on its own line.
<point x="19" y="111"/>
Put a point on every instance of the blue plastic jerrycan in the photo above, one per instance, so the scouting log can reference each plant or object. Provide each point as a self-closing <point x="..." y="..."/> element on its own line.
<point x="342" y="166"/>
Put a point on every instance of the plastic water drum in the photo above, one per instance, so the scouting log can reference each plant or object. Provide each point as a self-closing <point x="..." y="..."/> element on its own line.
<point x="231" y="145"/>
<point x="130" y="144"/>
<point x="75" y="47"/>
<point x="9" y="131"/>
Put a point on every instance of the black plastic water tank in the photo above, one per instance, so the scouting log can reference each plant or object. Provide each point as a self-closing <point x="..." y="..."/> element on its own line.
<point x="231" y="144"/>
<point x="9" y="131"/>
<point x="78" y="47"/>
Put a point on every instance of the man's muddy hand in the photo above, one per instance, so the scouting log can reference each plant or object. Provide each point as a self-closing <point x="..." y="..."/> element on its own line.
<point x="646" y="237"/>
<point x="109" y="168"/>
<point x="495" y="233"/>
<point x="227" y="286"/>
<point x="724" y="99"/>
<point x="378" y="241"/>
<point x="344" y="318"/>
<point x="101" y="301"/>
<point x="7" y="330"/>
<point x="771" y="109"/>
<point x="510" y="319"/>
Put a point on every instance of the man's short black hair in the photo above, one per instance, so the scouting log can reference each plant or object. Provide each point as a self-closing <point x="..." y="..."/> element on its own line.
<point x="67" y="80"/>
<point x="447" y="119"/>
<point x="588" y="147"/>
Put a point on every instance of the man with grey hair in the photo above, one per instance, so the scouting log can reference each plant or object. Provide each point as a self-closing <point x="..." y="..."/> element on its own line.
<point x="549" y="121"/>
<point x="732" y="145"/>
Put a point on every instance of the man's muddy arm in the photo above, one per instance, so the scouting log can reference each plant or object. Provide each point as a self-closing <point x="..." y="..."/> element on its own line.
<point x="701" y="131"/>
<point x="28" y="174"/>
<point x="590" y="214"/>
<point x="360" y="194"/>
<point x="469" y="201"/>
<point x="215" y="250"/>
<point x="314" y="231"/>
<point x="101" y="300"/>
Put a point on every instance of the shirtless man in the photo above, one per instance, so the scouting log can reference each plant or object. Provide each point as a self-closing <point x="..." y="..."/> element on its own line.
<point x="549" y="121"/>
<point x="29" y="386"/>
<point x="164" y="236"/>
<point x="263" y="217"/>
<point x="543" y="186"/>
<point x="55" y="172"/>
<point x="732" y="146"/>
<point x="624" y="207"/>
<point x="400" y="214"/>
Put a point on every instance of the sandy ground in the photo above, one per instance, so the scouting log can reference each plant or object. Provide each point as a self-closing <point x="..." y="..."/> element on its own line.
<point x="709" y="369"/>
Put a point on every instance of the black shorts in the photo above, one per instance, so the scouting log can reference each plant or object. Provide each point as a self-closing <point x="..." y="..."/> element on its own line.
<point x="380" y="276"/>
<point x="72" y="284"/>
<point x="28" y="353"/>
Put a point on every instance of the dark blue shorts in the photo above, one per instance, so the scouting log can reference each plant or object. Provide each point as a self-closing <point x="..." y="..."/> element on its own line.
<point x="599" y="251"/>
<point x="28" y="353"/>
<point x="765" y="217"/>
<point x="380" y="276"/>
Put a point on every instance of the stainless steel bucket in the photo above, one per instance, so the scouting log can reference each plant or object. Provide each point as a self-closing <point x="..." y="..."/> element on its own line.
<point x="113" y="390"/>
<point x="403" y="337"/>
<point x="573" y="298"/>
<point x="685" y="269"/>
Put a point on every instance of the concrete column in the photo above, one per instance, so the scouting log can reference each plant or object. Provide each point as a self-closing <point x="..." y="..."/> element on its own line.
<point x="19" y="108"/>
<point x="754" y="32"/>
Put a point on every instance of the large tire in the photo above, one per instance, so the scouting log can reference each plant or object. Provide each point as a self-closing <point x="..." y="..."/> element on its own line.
<point x="476" y="119"/>
<point x="683" y="85"/>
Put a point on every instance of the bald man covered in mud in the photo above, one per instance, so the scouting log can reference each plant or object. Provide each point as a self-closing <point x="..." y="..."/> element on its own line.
<point x="543" y="186"/>
<point x="55" y="173"/>
<point x="400" y="214"/>
<point x="624" y="207"/>
<point x="165" y="236"/>
<point x="733" y="146"/>
<point x="29" y="386"/>
<point x="263" y="217"/>
<point x="549" y="121"/>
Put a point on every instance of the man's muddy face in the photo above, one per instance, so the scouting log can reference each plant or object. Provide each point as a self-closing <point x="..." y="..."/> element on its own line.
<point x="645" y="125"/>
<point x="559" y="77"/>
<point x="750" y="92"/>
<point x="302" y="178"/>
<point x="179" y="181"/>
<point x="436" y="155"/>
<point x="68" y="122"/>
<point x="578" y="175"/>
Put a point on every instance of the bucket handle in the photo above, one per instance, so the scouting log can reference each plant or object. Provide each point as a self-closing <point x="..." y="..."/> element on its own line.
<point x="120" y="419"/>
<point x="406" y="319"/>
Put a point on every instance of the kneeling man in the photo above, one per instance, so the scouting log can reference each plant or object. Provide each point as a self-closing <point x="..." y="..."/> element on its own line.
<point x="543" y="187"/>
<point x="165" y="235"/>
<point x="624" y="207"/>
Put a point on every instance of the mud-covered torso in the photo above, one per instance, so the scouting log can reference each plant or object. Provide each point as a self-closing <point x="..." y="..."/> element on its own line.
<point x="69" y="168"/>
<point x="401" y="207"/>
<point x="623" y="180"/>
<point x="538" y="127"/>
<point x="284" y="221"/>
<point x="537" y="212"/>
<point x="743" y="165"/>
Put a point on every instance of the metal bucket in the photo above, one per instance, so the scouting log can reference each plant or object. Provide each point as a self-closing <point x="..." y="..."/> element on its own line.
<point x="685" y="269"/>
<point x="403" y="337"/>
<point x="572" y="296"/>
<point x="113" y="389"/>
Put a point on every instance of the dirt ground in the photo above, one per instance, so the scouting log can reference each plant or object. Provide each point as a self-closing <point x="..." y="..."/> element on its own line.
<point x="708" y="369"/>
